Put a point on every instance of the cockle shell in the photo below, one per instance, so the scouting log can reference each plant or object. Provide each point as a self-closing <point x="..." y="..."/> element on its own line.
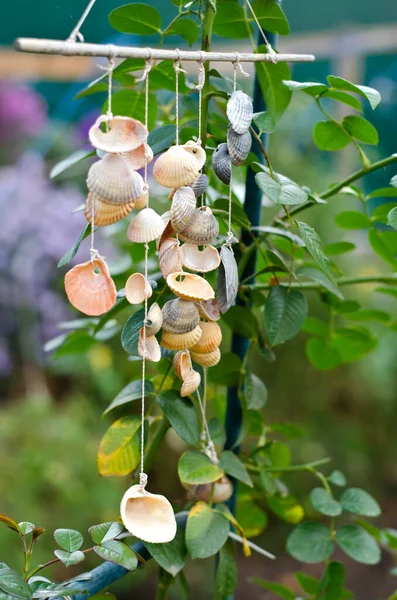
<point x="170" y="257"/>
<point x="227" y="282"/>
<point x="209" y="309"/>
<point x="137" y="289"/>
<point x="182" y="208"/>
<point x="114" y="180"/>
<point x="239" y="111"/>
<point x="210" y="338"/>
<point x="182" y="364"/>
<point x="154" y="319"/>
<point x="138" y="157"/>
<point x="122" y="134"/>
<point x="190" y="286"/>
<point x="148" y="517"/>
<point x="207" y="359"/>
<point x="200" y="185"/>
<point x="180" y="316"/>
<point x="222" y="164"/>
<point x="203" y="228"/>
<point x="148" y="347"/>
<point x="179" y="166"/>
<point x="217" y="492"/>
<point x="145" y="227"/>
<point x="104" y="213"/>
<point x="179" y="341"/>
<point x="90" y="288"/>
<point x="141" y="202"/>
<point x="190" y="383"/>
<point x="198" y="260"/>
<point x="239" y="146"/>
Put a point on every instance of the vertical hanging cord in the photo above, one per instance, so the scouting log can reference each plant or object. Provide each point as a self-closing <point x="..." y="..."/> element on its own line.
<point x="178" y="69"/>
<point x="270" y="50"/>
<point x="76" y="30"/>
<point x="199" y="87"/>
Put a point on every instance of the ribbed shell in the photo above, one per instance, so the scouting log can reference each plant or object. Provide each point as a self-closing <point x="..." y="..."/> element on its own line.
<point x="138" y="157"/>
<point x="239" y="111"/>
<point x="137" y="288"/>
<point x="90" y="288"/>
<point x="121" y="134"/>
<point x="190" y="384"/>
<point x="113" y="179"/>
<point x="182" y="364"/>
<point x="209" y="309"/>
<point x="180" y="341"/>
<point x="151" y="349"/>
<point x="227" y="282"/>
<point x="146" y="226"/>
<point x="179" y="166"/>
<point x="180" y="316"/>
<point x="183" y="207"/>
<point x="208" y="359"/>
<point x="105" y="213"/>
<point x="200" y="185"/>
<point x="141" y="202"/>
<point x="170" y="257"/>
<point x="210" y="339"/>
<point x="222" y="164"/>
<point x="239" y="146"/>
<point x="201" y="261"/>
<point x="154" y="320"/>
<point x="190" y="286"/>
<point x="203" y="228"/>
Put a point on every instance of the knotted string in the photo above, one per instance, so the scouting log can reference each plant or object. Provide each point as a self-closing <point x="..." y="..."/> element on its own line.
<point x="272" y="53"/>
<point x="199" y="87"/>
<point x="178" y="69"/>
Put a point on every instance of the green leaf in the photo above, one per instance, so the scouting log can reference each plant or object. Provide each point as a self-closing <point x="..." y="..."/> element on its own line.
<point x="25" y="527"/>
<point x="321" y="354"/>
<point x="329" y="135"/>
<point x="325" y="503"/>
<point x="186" y="28"/>
<point x="352" y="344"/>
<point x="333" y="581"/>
<point x="162" y="138"/>
<point x="378" y="316"/>
<point x="250" y="517"/>
<point x="13" y="584"/>
<point x="315" y="247"/>
<point x="118" y="553"/>
<point x="388" y="192"/>
<point x="361" y="129"/>
<point x="285" y="313"/>
<point x="288" y="430"/>
<point x="232" y="465"/>
<point x="238" y="214"/>
<point x="130" y="333"/>
<point x="68" y="162"/>
<point x="163" y="78"/>
<point x="132" y="391"/>
<point x="351" y="219"/>
<point x="316" y="327"/>
<point x="70" y="254"/>
<point x="10" y="522"/>
<point x="182" y="415"/>
<point x="242" y="321"/>
<point x="308" y="584"/>
<point x="271" y="76"/>
<point x="68" y="539"/>
<point x="370" y="94"/>
<point x="280" y="232"/>
<point x="271" y="16"/>
<point x="131" y="103"/>
<point x="338" y="248"/>
<point x="104" y="532"/>
<point x="70" y="558"/>
<point x="226" y="572"/>
<point x="255" y="392"/>
<point x="264" y="122"/>
<point x="227" y="371"/>
<point x="337" y="478"/>
<point x="309" y="87"/>
<point x="392" y="218"/>
<point x="195" y="467"/>
<point x="231" y="21"/>
<point x="359" y="502"/>
<point x="277" y="588"/>
<point x="171" y="556"/>
<point x="280" y="455"/>
<point x="77" y="342"/>
<point x="344" y="98"/>
<point x="119" y="450"/>
<point x="206" y="531"/>
<point x="280" y="190"/>
<point x="310" y="542"/>
<point x="140" y="19"/>
<point x="358" y="544"/>
<point x="316" y="275"/>
<point x="379" y="246"/>
<point x="286" y="507"/>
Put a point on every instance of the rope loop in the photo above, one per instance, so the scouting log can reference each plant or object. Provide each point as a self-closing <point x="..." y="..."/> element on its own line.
<point x="142" y="478"/>
<point x="148" y="67"/>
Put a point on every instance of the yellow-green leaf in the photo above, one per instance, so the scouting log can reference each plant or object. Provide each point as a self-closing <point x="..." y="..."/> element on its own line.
<point x="119" y="450"/>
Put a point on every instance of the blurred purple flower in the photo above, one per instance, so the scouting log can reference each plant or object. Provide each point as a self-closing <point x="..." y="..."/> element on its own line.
<point x="22" y="112"/>
<point x="85" y="123"/>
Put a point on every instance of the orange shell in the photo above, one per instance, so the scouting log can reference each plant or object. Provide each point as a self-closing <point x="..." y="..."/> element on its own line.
<point x="90" y="292"/>
<point x="190" y="286"/>
<point x="210" y="338"/>
<point x="105" y="213"/>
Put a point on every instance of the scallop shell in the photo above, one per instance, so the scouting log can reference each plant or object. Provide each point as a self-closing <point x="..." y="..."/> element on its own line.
<point x="137" y="289"/>
<point x="148" y="349"/>
<point x="190" y="286"/>
<point x="203" y="228"/>
<point x="218" y="492"/>
<point x="239" y="111"/>
<point x="123" y="134"/>
<point x="179" y="166"/>
<point x="145" y="227"/>
<point x="182" y="364"/>
<point x="90" y="288"/>
<point x="207" y="359"/>
<point x="200" y="185"/>
<point x="182" y="208"/>
<point x="170" y="257"/>
<point x="105" y="213"/>
<point x="154" y="320"/>
<point x="239" y="146"/>
<point x="190" y="384"/>
<point x="210" y="338"/>
<point x="168" y="230"/>
<point x="141" y="202"/>
<point x="179" y="341"/>
<point x="209" y="309"/>
<point x="222" y="164"/>
<point x="138" y="157"/>
<point x="227" y="282"/>
<point x="180" y="316"/>
<point x="201" y="261"/>
<point x="114" y="180"/>
<point x="148" y="517"/>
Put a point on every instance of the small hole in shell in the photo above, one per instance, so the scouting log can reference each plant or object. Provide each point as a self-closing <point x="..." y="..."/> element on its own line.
<point x="181" y="278"/>
<point x="97" y="270"/>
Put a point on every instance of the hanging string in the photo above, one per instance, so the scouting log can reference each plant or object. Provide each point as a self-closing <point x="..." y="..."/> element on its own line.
<point x="199" y="87"/>
<point x="76" y="33"/>
<point x="109" y="68"/>
<point x="178" y="69"/>
<point x="270" y="50"/>
<point x="209" y="447"/>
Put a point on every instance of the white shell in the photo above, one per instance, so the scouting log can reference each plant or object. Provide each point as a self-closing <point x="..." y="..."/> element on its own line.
<point x="151" y="349"/>
<point x="149" y="517"/>
<point x="201" y="261"/>
<point x="145" y="227"/>
<point x="137" y="289"/>
<point x="183" y="207"/>
<point x="123" y="134"/>
<point x="179" y="166"/>
<point x="170" y="257"/>
<point x="239" y="111"/>
<point x="154" y="319"/>
<point x="190" y="286"/>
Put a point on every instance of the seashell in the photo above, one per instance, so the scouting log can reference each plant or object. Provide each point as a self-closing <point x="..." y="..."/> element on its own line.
<point x="210" y="338"/>
<point x="148" y="517"/>
<point x="141" y="202"/>
<point x="180" y="316"/>
<point x="200" y="185"/>
<point x="207" y="359"/>
<point x="114" y="180"/>
<point x="227" y="282"/>
<point x="198" y="260"/>
<point x="190" y="286"/>
<point x="149" y="348"/>
<point x="239" y="145"/>
<point x="170" y="257"/>
<point x="154" y="320"/>
<point x="239" y="111"/>
<point x="140" y="156"/>
<point x="222" y="164"/>
<point x="203" y="228"/>
<point x="179" y="166"/>
<point x="123" y="134"/>
<point x="182" y="208"/>
<point x="137" y="289"/>
<point x="90" y="288"/>
<point x="209" y="309"/>
<point x="179" y="341"/>
<point x="182" y="364"/>
<point x="190" y="383"/>
<point x="168" y="230"/>
<point x="145" y="227"/>
<point x="103" y="212"/>
<point x="218" y="492"/>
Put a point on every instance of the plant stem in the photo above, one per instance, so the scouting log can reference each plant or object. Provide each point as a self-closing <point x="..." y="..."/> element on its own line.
<point x="291" y="469"/>
<point x="312" y="285"/>
<point x="263" y="150"/>
<point x="50" y="562"/>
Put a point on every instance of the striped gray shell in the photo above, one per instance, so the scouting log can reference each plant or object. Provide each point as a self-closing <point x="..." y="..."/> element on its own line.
<point x="203" y="229"/>
<point x="182" y="208"/>
<point x="239" y="145"/>
<point x="180" y="316"/>
<point x="221" y="163"/>
<point x="200" y="185"/>
<point x="239" y="111"/>
<point x="227" y="282"/>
